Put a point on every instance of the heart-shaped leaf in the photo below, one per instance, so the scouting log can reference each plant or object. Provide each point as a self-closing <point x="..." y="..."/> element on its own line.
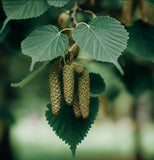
<point x="45" y="43"/>
<point x="104" y="38"/>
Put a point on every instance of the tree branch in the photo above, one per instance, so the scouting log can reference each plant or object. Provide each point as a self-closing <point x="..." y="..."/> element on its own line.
<point x="73" y="12"/>
<point x="30" y="77"/>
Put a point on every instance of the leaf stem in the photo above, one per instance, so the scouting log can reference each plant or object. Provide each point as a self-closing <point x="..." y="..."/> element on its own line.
<point x="90" y="12"/>
<point x="30" y="77"/>
<point x="66" y="29"/>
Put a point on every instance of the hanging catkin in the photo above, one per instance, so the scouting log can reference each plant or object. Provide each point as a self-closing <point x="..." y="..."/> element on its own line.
<point x="77" y="68"/>
<point x="68" y="81"/>
<point x="127" y="12"/>
<point x="76" y="107"/>
<point x="84" y="93"/>
<point x="55" y="87"/>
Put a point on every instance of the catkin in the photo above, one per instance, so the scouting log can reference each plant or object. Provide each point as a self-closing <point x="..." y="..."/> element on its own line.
<point x="143" y="9"/>
<point x="127" y="12"/>
<point x="76" y="107"/>
<point x="55" y="87"/>
<point x="77" y="68"/>
<point x="68" y="81"/>
<point x="84" y="93"/>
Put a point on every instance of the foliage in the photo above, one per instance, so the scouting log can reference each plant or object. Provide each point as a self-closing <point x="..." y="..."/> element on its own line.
<point x="103" y="38"/>
<point x="68" y="127"/>
<point x="150" y="2"/>
<point x="141" y="40"/>
<point x="45" y="43"/>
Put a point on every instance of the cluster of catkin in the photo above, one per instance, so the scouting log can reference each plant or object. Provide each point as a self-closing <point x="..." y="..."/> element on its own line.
<point x="129" y="7"/>
<point x="78" y="97"/>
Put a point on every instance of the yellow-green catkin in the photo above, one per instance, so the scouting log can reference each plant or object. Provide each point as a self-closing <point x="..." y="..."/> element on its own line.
<point x="76" y="107"/>
<point x="55" y="87"/>
<point x="84" y="93"/>
<point x="77" y="68"/>
<point x="68" y="82"/>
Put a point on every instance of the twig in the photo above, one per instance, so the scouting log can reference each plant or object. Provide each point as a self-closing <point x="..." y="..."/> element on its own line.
<point x="73" y="12"/>
<point x="30" y="77"/>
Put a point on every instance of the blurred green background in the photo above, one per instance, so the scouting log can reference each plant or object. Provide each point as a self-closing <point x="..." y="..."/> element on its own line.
<point x="124" y="128"/>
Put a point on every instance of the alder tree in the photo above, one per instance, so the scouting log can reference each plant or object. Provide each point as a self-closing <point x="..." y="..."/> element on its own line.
<point x="73" y="89"/>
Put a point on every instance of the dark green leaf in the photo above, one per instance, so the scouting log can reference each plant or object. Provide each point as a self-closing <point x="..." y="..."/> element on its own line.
<point x="104" y="39"/>
<point x="141" y="42"/>
<point x="97" y="84"/>
<point x="150" y="2"/>
<point x="45" y="43"/>
<point x="68" y="127"/>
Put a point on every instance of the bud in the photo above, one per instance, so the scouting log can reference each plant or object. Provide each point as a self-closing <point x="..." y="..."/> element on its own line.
<point x="55" y="87"/>
<point x="84" y="93"/>
<point x="63" y="20"/>
<point x="68" y="81"/>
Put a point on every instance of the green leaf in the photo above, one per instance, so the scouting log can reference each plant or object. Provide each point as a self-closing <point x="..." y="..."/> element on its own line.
<point x="59" y="3"/>
<point x="97" y="84"/>
<point x="150" y="2"/>
<point x="141" y="42"/>
<point x="104" y="38"/>
<point x="68" y="127"/>
<point x="23" y="9"/>
<point x="45" y="43"/>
